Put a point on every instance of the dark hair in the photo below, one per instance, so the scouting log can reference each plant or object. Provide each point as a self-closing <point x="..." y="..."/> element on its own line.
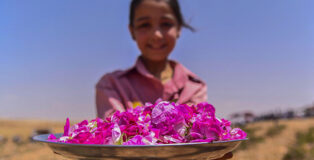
<point x="174" y="5"/>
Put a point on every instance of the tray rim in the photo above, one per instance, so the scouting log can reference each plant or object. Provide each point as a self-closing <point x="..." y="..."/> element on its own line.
<point x="39" y="138"/>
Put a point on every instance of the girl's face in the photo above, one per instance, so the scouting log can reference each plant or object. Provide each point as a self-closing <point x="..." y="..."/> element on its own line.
<point x="155" y="29"/>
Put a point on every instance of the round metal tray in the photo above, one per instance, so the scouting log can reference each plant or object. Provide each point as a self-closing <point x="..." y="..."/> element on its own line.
<point x="180" y="151"/>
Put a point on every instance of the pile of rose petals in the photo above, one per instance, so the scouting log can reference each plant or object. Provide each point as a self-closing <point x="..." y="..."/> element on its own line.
<point x="159" y="123"/>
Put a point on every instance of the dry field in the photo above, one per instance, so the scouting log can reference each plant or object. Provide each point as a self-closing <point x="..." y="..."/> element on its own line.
<point x="271" y="148"/>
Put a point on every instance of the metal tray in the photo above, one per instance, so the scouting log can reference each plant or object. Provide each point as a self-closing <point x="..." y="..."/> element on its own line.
<point x="181" y="151"/>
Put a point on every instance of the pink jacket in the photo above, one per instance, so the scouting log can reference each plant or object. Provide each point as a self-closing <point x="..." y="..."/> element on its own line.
<point x="119" y="90"/>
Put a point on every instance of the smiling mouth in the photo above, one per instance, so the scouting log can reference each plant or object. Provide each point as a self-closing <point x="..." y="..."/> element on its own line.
<point x="158" y="47"/>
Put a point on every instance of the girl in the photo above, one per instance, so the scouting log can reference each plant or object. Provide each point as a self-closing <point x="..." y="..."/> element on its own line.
<point x="155" y="25"/>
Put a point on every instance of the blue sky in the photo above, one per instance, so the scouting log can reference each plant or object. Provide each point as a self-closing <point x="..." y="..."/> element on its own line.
<point x="254" y="55"/>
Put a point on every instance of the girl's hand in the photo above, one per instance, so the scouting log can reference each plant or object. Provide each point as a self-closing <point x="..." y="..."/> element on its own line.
<point x="226" y="156"/>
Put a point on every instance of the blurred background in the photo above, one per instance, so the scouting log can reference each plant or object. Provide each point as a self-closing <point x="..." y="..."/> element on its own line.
<point x="257" y="58"/>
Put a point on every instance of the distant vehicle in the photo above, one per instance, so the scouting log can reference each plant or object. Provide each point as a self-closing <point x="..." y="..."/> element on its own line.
<point x="38" y="132"/>
<point x="242" y="118"/>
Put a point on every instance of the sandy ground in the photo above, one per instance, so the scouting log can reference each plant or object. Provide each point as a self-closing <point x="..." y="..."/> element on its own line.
<point x="272" y="148"/>
<point x="26" y="149"/>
